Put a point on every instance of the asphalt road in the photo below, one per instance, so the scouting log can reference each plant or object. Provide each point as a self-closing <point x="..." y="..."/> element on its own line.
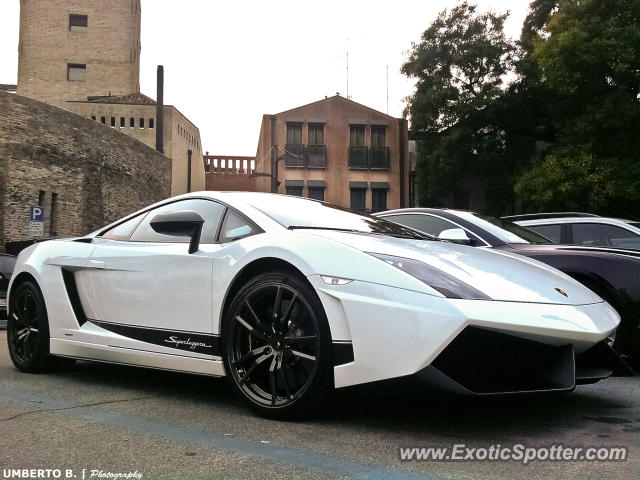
<point x="175" y="426"/>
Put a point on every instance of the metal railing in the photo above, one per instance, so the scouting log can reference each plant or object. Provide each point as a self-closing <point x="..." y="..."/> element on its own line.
<point x="358" y="157"/>
<point x="316" y="156"/>
<point x="294" y="155"/>
<point x="380" y="158"/>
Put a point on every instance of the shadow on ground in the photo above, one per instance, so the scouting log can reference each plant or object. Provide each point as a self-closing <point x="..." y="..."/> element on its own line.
<point x="395" y="405"/>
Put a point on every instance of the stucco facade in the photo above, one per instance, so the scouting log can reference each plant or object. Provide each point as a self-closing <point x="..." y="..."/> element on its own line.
<point x="349" y="151"/>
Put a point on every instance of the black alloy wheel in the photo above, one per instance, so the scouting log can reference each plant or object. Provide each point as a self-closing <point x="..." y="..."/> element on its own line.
<point x="276" y="345"/>
<point x="28" y="331"/>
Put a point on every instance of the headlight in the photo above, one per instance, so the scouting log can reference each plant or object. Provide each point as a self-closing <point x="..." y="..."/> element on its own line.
<point x="444" y="283"/>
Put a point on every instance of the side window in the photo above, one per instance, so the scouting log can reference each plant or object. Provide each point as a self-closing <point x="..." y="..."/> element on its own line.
<point x="235" y="227"/>
<point x="424" y="223"/>
<point x="209" y="210"/>
<point x="552" y="232"/>
<point x="123" y="231"/>
<point x="604" y="235"/>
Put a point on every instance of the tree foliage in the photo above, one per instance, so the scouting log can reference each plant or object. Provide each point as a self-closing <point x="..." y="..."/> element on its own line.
<point x="564" y="133"/>
<point x="459" y="67"/>
<point x="588" y="59"/>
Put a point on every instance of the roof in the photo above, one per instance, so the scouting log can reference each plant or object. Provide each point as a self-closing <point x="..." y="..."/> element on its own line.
<point x="130" y="99"/>
<point x="335" y="98"/>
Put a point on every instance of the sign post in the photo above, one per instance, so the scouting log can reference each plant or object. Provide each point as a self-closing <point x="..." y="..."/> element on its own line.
<point x="36" y="221"/>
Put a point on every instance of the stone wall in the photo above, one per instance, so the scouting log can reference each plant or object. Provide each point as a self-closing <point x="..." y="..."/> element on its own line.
<point x="85" y="174"/>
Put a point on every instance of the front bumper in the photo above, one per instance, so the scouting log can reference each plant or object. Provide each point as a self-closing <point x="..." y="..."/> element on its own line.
<point x="396" y="332"/>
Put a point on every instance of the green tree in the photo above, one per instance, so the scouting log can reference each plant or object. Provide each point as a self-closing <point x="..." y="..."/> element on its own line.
<point x="459" y="66"/>
<point x="586" y="57"/>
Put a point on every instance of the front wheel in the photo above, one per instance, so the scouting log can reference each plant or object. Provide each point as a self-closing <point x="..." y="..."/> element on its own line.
<point x="28" y="331"/>
<point x="276" y="346"/>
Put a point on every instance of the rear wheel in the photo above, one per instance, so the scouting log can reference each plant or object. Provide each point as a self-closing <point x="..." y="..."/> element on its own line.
<point x="28" y="331"/>
<point x="276" y="346"/>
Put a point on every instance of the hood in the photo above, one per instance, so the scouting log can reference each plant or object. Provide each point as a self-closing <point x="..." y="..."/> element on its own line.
<point x="500" y="275"/>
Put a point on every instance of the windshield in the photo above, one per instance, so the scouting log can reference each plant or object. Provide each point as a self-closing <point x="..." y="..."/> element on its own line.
<point x="504" y="230"/>
<point x="301" y="213"/>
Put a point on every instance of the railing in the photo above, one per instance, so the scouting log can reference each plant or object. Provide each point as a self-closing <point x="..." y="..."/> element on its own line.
<point x="358" y="158"/>
<point x="229" y="164"/>
<point x="316" y="156"/>
<point x="294" y="155"/>
<point x="380" y="158"/>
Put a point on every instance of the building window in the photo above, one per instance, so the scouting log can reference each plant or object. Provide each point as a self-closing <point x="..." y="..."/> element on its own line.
<point x="356" y="137"/>
<point x="294" y="133"/>
<point x="103" y="119"/>
<point x="294" y="190"/>
<point x="379" y="150"/>
<point x="121" y="122"/>
<point x="132" y="122"/>
<point x="378" y="200"/>
<point x="78" y="22"/>
<point x="41" y="194"/>
<point x="358" y="198"/>
<point x="113" y="121"/>
<point x="294" y="150"/>
<point x="316" y="134"/>
<point x="358" y="153"/>
<point x="53" y="217"/>
<point x="76" y="72"/>
<point x="141" y="122"/>
<point x="93" y="117"/>
<point x="151" y="123"/>
<point x="316" y="193"/>
<point x="294" y="187"/>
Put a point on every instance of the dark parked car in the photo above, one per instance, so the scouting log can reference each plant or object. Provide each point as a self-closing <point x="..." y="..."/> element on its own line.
<point x="612" y="274"/>
<point x="6" y="269"/>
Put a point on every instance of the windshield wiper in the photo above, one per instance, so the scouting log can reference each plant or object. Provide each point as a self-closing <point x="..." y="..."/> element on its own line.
<point x="411" y="234"/>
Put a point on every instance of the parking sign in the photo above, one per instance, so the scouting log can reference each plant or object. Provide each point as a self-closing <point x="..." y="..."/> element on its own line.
<point x="36" y="213"/>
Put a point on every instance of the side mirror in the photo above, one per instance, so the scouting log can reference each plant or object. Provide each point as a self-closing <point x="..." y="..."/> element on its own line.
<point x="455" y="235"/>
<point x="182" y="223"/>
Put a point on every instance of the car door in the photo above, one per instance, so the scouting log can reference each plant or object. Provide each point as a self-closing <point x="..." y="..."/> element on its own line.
<point x="146" y="285"/>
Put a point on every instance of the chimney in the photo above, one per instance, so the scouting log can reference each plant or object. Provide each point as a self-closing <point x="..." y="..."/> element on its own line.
<point x="160" y="110"/>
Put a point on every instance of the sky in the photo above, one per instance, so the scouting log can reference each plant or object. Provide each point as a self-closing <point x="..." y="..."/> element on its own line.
<point x="227" y="63"/>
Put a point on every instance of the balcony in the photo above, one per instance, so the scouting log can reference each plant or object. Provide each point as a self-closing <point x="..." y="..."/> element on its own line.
<point x="294" y="155"/>
<point x="316" y="156"/>
<point x="380" y="158"/>
<point x="358" y="158"/>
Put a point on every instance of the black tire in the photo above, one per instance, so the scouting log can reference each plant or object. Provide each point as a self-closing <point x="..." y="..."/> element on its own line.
<point x="28" y="332"/>
<point x="278" y="358"/>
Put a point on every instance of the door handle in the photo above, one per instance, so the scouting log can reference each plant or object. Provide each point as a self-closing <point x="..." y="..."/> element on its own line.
<point x="96" y="264"/>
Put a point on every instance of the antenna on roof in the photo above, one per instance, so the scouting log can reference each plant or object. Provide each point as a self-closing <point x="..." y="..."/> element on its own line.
<point x="387" y="89"/>
<point x="348" y="69"/>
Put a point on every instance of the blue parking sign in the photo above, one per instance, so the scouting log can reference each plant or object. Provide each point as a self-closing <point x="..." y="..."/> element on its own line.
<point x="36" y="213"/>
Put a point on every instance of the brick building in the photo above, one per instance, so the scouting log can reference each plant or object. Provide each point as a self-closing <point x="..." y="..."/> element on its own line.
<point x="84" y="56"/>
<point x="338" y="151"/>
<point x="83" y="173"/>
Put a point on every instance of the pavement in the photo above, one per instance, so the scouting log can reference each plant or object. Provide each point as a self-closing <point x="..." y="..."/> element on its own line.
<point x="99" y="420"/>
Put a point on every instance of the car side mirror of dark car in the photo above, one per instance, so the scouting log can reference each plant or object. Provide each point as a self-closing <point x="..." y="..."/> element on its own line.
<point x="181" y="223"/>
<point x="456" y="235"/>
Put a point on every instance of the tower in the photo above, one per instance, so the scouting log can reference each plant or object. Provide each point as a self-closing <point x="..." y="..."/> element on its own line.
<point x="73" y="49"/>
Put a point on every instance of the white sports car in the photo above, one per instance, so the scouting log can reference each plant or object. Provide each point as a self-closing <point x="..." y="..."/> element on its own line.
<point x="290" y="297"/>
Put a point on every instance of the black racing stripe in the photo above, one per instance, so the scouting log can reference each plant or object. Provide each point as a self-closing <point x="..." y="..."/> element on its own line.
<point x="180" y="340"/>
